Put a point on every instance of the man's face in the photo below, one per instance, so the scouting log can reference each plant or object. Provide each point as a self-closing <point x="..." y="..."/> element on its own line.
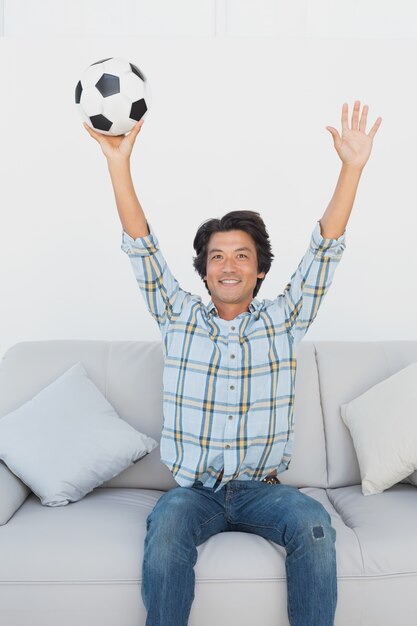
<point x="232" y="267"/>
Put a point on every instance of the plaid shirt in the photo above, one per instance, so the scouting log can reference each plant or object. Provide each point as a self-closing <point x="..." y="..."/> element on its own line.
<point x="229" y="385"/>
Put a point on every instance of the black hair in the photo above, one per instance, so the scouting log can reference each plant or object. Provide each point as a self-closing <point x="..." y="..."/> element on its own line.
<point x="248" y="221"/>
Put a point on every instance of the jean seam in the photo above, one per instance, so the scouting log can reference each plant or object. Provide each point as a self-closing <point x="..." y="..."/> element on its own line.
<point x="208" y="520"/>
<point x="289" y="596"/>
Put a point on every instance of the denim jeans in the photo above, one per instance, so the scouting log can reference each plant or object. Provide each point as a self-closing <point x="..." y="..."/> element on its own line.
<point x="185" y="517"/>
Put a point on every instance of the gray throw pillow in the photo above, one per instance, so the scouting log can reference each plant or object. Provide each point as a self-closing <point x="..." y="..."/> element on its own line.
<point x="68" y="439"/>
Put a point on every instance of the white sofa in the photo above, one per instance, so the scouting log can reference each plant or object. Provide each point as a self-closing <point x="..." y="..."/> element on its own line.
<point x="80" y="564"/>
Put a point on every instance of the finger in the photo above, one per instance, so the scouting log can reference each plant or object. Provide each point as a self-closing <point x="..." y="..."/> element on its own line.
<point x="355" y="115"/>
<point x="362" y="123"/>
<point x="135" y="130"/>
<point x="137" y="127"/>
<point x="374" y="128"/>
<point x="90" y="130"/>
<point x="345" y="125"/>
<point x="334" y="134"/>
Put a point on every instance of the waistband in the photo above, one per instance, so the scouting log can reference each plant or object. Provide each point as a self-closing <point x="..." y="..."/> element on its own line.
<point x="271" y="479"/>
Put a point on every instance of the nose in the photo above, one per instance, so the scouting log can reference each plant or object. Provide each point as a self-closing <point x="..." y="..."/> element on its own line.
<point x="228" y="266"/>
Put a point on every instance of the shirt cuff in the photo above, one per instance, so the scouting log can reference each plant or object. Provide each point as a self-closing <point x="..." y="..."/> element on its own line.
<point x="320" y="244"/>
<point x="142" y="246"/>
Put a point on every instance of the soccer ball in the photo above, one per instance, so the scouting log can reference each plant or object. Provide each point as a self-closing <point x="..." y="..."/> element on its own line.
<point x="112" y="96"/>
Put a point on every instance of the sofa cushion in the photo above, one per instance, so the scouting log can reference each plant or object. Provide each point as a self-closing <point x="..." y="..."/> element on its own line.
<point x="12" y="493"/>
<point x="308" y="467"/>
<point x="346" y="370"/>
<point x="128" y="374"/>
<point x="68" y="439"/>
<point x="383" y="425"/>
<point x="384" y="527"/>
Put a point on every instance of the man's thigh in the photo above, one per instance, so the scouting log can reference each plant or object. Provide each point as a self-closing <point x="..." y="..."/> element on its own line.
<point x="195" y="511"/>
<point x="278" y="513"/>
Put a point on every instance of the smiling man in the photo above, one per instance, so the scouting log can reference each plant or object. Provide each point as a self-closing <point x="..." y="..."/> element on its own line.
<point x="229" y="382"/>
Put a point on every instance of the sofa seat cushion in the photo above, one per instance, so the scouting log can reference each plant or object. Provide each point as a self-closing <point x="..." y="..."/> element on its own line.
<point x="98" y="538"/>
<point x="384" y="526"/>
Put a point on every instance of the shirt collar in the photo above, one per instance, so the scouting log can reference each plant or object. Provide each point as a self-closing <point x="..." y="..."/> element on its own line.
<point x="254" y="307"/>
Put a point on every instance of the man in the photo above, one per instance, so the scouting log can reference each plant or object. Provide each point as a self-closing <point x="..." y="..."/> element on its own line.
<point x="229" y="381"/>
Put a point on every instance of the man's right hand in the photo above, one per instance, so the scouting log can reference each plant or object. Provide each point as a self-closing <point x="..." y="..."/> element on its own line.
<point x="118" y="147"/>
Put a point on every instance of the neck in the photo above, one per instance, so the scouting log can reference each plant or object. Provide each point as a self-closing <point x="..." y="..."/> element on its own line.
<point x="229" y="311"/>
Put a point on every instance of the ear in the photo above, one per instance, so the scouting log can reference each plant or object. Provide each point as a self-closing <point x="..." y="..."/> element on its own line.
<point x="261" y="275"/>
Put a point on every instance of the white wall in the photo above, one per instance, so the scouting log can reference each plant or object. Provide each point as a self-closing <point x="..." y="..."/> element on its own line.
<point x="240" y="99"/>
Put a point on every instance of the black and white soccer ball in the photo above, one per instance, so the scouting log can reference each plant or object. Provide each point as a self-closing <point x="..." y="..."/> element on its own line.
<point x="112" y="95"/>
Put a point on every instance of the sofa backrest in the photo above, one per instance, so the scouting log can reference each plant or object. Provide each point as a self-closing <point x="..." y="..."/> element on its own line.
<point x="129" y="374"/>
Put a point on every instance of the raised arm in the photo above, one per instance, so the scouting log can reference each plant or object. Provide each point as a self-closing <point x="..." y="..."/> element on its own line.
<point x="163" y="295"/>
<point x="117" y="151"/>
<point x="310" y="282"/>
<point x="354" y="148"/>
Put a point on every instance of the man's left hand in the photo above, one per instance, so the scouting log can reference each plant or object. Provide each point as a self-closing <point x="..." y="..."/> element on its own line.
<point x="354" y="146"/>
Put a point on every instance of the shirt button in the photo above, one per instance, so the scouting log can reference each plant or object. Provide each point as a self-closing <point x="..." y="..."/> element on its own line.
<point x="232" y="328"/>
<point x="227" y="447"/>
<point x="230" y="417"/>
<point x="232" y="387"/>
<point x="232" y="356"/>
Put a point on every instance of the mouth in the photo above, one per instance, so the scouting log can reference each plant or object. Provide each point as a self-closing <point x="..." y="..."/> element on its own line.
<point x="229" y="282"/>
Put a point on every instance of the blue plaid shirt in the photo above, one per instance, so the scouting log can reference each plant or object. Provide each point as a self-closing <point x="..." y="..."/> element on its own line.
<point x="229" y="385"/>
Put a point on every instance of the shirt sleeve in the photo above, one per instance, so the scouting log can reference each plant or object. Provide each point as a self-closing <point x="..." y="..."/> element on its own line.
<point x="311" y="281"/>
<point x="163" y="295"/>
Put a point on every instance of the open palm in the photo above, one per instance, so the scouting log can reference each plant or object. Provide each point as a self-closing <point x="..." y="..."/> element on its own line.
<point x="354" y="146"/>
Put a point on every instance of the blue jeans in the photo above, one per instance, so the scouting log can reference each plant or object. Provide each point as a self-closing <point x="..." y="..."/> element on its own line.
<point x="185" y="517"/>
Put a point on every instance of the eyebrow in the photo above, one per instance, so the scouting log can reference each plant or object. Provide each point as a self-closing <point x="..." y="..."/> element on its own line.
<point x="220" y="250"/>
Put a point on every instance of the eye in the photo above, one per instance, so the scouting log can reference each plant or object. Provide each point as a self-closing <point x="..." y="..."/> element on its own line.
<point x="241" y="254"/>
<point x="216" y="256"/>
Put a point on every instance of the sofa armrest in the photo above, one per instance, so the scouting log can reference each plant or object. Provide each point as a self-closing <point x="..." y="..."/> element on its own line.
<point x="13" y="492"/>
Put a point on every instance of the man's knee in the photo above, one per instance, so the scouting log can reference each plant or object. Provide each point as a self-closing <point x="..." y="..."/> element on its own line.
<point x="318" y="521"/>
<point x="314" y="522"/>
